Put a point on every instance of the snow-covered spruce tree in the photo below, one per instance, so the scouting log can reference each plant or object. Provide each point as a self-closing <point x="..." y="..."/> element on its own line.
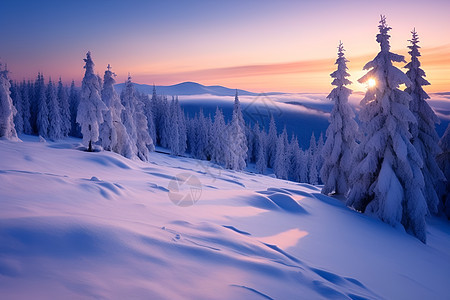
<point x="33" y="92"/>
<point x="63" y="100"/>
<point x="74" y="101"/>
<point x="190" y="129"/>
<point x="250" y="138"/>
<point x="108" y="132"/>
<point x="200" y="136"/>
<point x="341" y="133"/>
<point x="209" y="124"/>
<point x="16" y="97"/>
<point x="91" y="106"/>
<point x="135" y="121"/>
<point x="54" y="113"/>
<point x="149" y="114"/>
<point x="386" y="179"/>
<point x="127" y="99"/>
<point x="174" y="133"/>
<point x="443" y="160"/>
<point x="114" y="138"/>
<point x="164" y="119"/>
<point x="313" y="174"/>
<point x="424" y="136"/>
<point x="177" y="140"/>
<point x="182" y="127"/>
<point x="271" y="144"/>
<point x="218" y="142"/>
<point x="281" y="164"/>
<point x="295" y="159"/>
<point x="156" y="105"/>
<point x="260" y="149"/>
<point x="26" y="113"/>
<point x="237" y="147"/>
<point x="144" y="141"/>
<point x="7" y="109"/>
<point x="42" y="120"/>
<point x="303" y="172"/>
<point x="192" y="135"/>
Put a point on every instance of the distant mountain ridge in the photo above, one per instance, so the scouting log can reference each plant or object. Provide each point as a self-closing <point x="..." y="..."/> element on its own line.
<point x="189" y="88"/>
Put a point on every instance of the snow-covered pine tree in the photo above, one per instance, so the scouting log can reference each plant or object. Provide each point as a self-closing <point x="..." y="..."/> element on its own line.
<point x="201" y="136"/>
<point x="281" y="164"/>
<point x="443" y="160"/>
<point x="16" y="97"/>
<point x="74" y="101"/>
<point x="303" y="172"/>
<point x="271" y="144"/>
<point x="149" y="114"/>
<point x="42" y="121"/>
<point x="91" y="106"/>
<point x="193" y="134"/>
<point x="54" y="113"/>
<point x="341" y="133"/>
<point x="278" y="165"/>
<point x="295" y="159"/>
<point x="313" y="174"/>
<point x="164" y="119"/>
<point x="208" y="149"/>
<point x="190" y="130"/>
<point x="116" y="139"/>
<point x="144" y="141"/>
<point x="26" y="113"/>
<point x="108" y="132"/>
<point x="237" y="150"/>
<point x="127" y="99"/>
<point x="7" y="109"/>
<point x="424" y="135"/>
<point x="250" y="137"/>
<point x="63" y="100"/>
<point x="218" y="140"/>
<point x="35" y="92"/>
<point x="174" y="133"/>
<point x="182" y="141"/>
<point x="135" y="121"/>
<point x="386" y="179"/>
<point x="260" y="149"/>
<point x="156" y="104"/>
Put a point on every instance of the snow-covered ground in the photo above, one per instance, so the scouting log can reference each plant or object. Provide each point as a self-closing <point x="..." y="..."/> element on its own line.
<point x="78" y="225"/>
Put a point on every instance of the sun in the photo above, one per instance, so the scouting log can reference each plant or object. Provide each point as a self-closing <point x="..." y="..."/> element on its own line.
<point x="371" y="82"/>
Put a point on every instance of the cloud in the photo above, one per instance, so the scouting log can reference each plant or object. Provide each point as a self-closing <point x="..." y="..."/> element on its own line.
<point x="252" y="70"/>
<point x="435" y="61"/>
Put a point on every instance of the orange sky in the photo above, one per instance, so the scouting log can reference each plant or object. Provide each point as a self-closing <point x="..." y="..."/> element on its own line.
<point x="306" y="76"/>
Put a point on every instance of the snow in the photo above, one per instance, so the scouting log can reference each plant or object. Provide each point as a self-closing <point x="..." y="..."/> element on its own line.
<point x="83" y="225"/>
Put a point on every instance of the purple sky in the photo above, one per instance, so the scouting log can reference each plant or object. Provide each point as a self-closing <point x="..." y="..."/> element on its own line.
<point x="255" y="45"/>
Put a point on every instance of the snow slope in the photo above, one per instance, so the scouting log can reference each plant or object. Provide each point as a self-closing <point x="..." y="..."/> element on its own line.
<point x="96" y="225"/>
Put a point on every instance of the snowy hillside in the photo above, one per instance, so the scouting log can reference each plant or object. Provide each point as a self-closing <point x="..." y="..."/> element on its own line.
<point x="84" y="225"/>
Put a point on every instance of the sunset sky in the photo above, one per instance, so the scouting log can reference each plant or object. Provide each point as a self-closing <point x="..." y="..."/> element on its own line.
<point x="260" y="46"/>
